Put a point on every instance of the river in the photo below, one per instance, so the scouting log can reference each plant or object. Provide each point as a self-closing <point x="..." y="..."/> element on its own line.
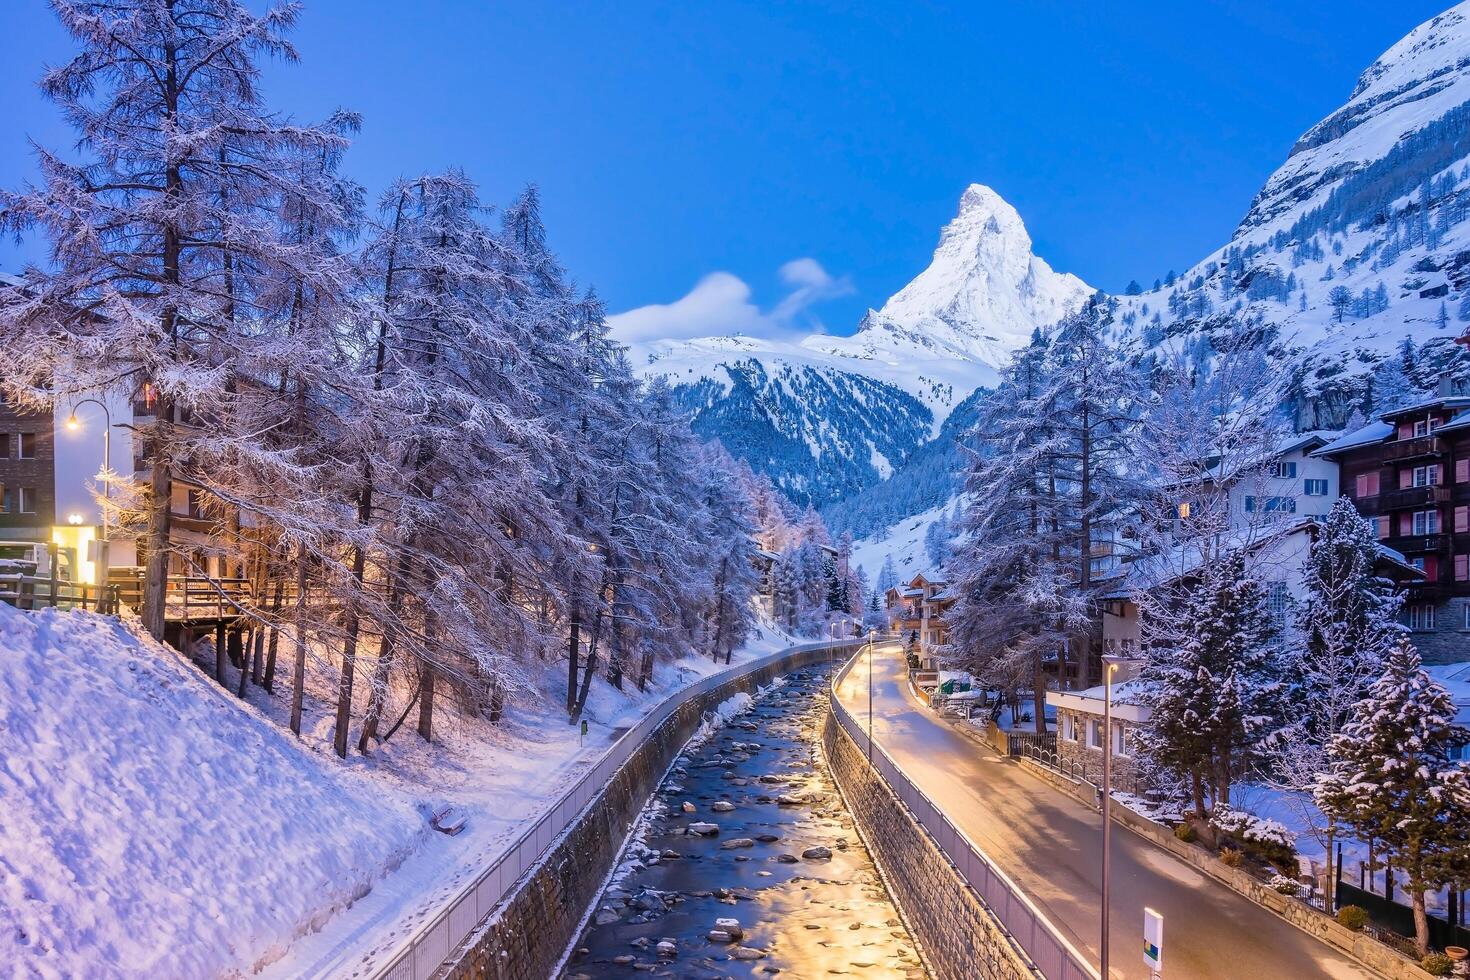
<point x="748" y="826"/>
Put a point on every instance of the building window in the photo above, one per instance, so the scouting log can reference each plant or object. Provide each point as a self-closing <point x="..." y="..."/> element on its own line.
<point x="1184" y="511"/>
<point x="1278" y="603"/>
<point x="27" y="500"/>
<point x="1315" y="488"/>
<point x="1418" y="562"/>
<point x="1426" y="522"/>
<point x="1282" y="469"/>
<point x="1425" y="476"/>
<point x="1466" y="607"/>
<point x="27" y="445"/>
<point x="1120" y="744"/>
<point x="1094" y="734"/>
<point x="4" y="445"/>
<point x="1421" y="617"/>
<point x="5" y="505"/>
<point x="1425" y="426"/>
<point x="1272" y="505"/>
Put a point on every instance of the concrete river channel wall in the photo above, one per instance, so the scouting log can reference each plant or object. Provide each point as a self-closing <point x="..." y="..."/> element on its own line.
<point x="517" y="921"/>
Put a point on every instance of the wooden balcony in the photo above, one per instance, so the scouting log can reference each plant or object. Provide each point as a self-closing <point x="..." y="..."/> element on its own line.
<point x="1418" y="544"/>
<point x="1410" y="497"/>
<point x="1421" y="447"/>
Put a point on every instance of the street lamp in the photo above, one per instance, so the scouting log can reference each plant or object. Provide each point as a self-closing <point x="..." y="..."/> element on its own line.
<point x="74" y="424"/>
<point x="1111" y="663"/>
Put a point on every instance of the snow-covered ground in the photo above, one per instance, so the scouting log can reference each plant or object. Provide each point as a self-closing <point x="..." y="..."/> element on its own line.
<point x="156" y="825"/>
<point x="153" y="825"/>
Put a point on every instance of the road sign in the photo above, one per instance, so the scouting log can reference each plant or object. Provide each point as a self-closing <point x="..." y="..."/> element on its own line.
<point x="1153" y="941"/>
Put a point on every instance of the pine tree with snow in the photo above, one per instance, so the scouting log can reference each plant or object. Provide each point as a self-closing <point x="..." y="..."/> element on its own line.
<point x="1463" y="312"/>
<point x="1346" y="624"/>
<point x="887" y="575"/>
<point x="1393" y="782"/>
<point x="1215" y="698"/>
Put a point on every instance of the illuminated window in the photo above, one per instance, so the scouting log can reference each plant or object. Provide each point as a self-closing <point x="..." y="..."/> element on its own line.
<point x="1184" y="511"/>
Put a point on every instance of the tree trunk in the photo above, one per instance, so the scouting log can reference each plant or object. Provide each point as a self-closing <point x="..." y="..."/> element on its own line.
<point x="277" y="600"/>
<point x="1197" y="790"/>
<point x="378" y="690"/>
<point x="574" y="643"/>
<point x="1421" y="919"/>
<point x="1038" y="690"/>
<point x="298" y="676"/>
<point x="426" y="703"/>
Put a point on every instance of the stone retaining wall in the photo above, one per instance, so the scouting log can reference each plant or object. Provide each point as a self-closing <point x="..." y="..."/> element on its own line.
<point x="526" y="935"/>
<point x="957" y="935"/>
<point x="1363" y="948"/>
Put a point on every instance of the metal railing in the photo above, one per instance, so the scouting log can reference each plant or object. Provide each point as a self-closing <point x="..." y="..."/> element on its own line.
<point x="1051" y="759"/>
<point x="425" y="949"/>
<point x="1052" y="954"/>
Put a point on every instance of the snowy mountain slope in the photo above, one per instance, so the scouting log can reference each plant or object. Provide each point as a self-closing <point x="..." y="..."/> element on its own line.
<point x="1358" y="241"/>
<point x="887" y="389"/>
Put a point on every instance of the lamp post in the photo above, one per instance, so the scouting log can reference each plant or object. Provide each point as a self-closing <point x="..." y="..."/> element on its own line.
<point x="1111" y="663"/>
<point x="103" y="545"/>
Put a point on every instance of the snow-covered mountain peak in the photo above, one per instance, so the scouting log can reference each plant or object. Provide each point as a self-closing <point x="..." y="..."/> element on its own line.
<point x="1415" y="82"/>
<point x="982" y="295"/>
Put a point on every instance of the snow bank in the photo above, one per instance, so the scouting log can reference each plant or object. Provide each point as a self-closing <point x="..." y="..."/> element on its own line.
<point x="155" y="826"/>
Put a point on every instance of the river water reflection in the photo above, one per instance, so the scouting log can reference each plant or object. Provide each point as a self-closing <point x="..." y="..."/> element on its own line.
<point x="748" y="826"/>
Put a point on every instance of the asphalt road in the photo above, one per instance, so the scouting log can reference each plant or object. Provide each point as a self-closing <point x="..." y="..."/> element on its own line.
<point x="1051" y="846"/>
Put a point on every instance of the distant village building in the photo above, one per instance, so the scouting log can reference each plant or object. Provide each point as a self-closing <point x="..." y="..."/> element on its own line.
<point x="916" y="612"/>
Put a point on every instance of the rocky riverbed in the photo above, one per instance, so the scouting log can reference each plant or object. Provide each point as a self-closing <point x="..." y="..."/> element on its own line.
<point x="747" y="864"/>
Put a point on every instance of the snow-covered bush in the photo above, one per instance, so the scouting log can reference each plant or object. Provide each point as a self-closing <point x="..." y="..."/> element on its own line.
<point x="1266" y="839"/>
<point x="1250" y="828"/>
<point x="1285" y="885"/>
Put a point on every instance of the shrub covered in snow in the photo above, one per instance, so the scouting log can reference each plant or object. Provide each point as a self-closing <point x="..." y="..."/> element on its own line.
<point x="1266" y="839"/>
<point x="1285" y="885"/>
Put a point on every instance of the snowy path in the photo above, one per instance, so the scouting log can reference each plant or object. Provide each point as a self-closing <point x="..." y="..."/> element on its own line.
<point x="1050" y="845"/>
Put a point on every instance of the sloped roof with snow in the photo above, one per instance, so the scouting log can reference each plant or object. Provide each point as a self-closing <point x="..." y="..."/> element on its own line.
<point x="1368" y="434"/>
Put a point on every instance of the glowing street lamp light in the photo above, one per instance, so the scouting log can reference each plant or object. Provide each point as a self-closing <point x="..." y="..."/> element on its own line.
<point x="74" y="424"/>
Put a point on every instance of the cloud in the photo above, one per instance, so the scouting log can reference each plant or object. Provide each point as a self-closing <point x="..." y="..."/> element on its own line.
<point x="720" y="303"/>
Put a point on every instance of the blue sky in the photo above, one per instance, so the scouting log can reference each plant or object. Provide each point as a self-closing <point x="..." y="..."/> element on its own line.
<point x="803" y="155"/>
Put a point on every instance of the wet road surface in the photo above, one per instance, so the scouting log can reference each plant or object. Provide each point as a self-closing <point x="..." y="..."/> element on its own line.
<point x="782" y="859"/>
<point x="1051" y="846"/>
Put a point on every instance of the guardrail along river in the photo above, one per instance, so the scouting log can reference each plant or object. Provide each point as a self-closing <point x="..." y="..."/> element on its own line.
<point x="746" y="863"/>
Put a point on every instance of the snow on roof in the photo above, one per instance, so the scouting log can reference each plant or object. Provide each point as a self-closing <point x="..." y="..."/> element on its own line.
<point x="1456" y="680"/>
<point x="1370" y="433"/>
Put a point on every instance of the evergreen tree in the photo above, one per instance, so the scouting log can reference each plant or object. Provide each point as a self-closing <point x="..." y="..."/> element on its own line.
<point x="887" y="575"/>
<point x="1215" y="697"/>
<point x="1346" y="624"/>
<point x="1393" y="783"/>
<point x="1134" y="289"/>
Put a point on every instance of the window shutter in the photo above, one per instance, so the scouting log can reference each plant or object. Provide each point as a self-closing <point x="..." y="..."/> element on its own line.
<point x="1462" y="568"/>
<point x="1462" y="471"/>
<point x="1462" y="519"/>
<point x="1383" y="527"/>
<point x="1406" y="524"/>
<point x="1406" y="478"/>
<point x="1373" y="484"/>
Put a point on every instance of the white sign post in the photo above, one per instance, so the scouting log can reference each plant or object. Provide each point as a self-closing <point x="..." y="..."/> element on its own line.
<point x="1153" y="943"/>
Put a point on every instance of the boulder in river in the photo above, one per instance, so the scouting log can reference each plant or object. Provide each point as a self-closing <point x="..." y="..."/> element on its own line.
<point x="704" y="829"/>
<point x="737" y="842"/>
<point x="818" y="853"/>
